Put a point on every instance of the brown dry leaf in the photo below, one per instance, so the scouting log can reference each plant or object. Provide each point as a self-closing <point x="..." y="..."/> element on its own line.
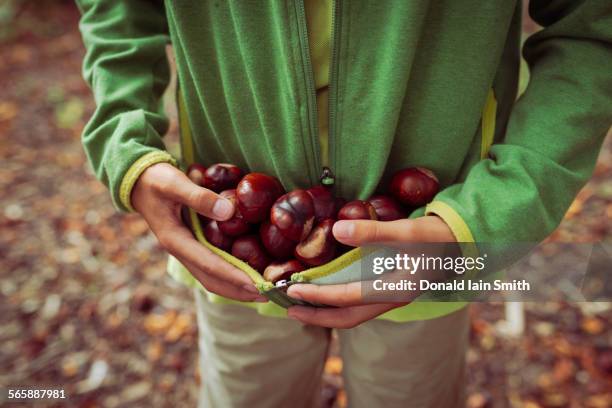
<point x="181" y="325"/>
<point x="592" y="325"/>
<point x="175" y="361"/>
<point x="563" y="347"/>
<point x="21" y="54"/>
<point x="545" y="380"/>
<point x="555" y="399"/>
<point x="575" y="209"/>
<point x="154" y="351"/>
<point x="578" y="203"/>
<point x="487" y="342"/>
<point x="480" y="326"/>
<point x="599" y="401"/>
<point x="8" y="110"/>
<point x="70" y="367"/>
<point x="478" y="400"/>
<point x="167" y="383"/>
<point x="333" y="365"/>
<point x="341" y="400"/>
<point x="107" y="233"/>
<point x="159" y="323"/>
<point x="136" y="226"/>
<point x="564" y="370"/>
<point x="115" y="320"/>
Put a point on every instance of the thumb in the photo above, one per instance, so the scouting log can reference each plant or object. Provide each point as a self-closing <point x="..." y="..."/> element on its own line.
<point x="363" y="232"/>
<point x="206" y="202"/>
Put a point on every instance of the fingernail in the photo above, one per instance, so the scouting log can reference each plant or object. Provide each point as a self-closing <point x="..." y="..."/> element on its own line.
<point x="222" y="208"/>
<point x="250" y="288"/>
<point x="344" y="229"/>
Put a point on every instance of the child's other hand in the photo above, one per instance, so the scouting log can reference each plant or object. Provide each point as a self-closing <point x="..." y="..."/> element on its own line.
<point x="158" y="195"/>
<point x="352" y="310"/>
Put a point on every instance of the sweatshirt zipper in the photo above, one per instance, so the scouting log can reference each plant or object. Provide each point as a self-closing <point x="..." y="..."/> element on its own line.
<point x="333" y="91"/>
<point x="326" y="176"/>
<point x="313" y="128"/>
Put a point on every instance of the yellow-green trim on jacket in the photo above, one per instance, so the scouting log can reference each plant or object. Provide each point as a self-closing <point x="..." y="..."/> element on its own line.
<point x="489" y="116"/>
<point x="136" y="169"/>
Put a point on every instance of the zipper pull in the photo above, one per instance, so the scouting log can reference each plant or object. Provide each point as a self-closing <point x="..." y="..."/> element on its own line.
<point x="327" y="177"/>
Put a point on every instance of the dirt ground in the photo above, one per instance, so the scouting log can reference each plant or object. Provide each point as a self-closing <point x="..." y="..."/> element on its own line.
<point x="87" y="306"/>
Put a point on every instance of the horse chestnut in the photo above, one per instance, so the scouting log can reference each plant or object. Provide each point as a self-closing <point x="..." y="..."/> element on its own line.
<point x="214" y="235"/>
<point x="275" y="243"/>
<point x="293" y="214"/>
<point x="319" y="247"/>
<point x="387" y="208"/>
<point x="324" y="202"/>
<point x="195" y="172"/>
<point x="277" y="271"/>
<point x="415" y="186"/>
<point x="221" y="176"/>
<point x="236" y="225"/>
<point x="357" y="210"/>
<point x="255" y="194"/>
<point x="249" y="249"/>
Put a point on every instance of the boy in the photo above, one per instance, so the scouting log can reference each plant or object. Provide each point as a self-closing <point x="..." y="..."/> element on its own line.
<point x="364" y="88"/>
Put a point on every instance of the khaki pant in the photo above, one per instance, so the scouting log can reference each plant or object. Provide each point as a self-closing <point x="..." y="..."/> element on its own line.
<point x="248" y="360"/>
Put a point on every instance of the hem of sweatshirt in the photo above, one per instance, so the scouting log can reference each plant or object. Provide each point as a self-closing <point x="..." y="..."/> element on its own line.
<point x="416" y="311"/>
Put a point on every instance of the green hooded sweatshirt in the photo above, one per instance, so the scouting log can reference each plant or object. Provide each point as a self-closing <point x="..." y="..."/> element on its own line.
<point x="411" y="83"/>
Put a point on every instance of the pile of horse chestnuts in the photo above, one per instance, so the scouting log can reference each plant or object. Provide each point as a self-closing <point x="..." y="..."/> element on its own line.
<point x="279" y="233"/>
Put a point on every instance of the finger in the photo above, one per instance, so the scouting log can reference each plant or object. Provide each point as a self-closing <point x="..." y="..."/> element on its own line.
<point x="348" y="294"/>
<point x="363" y="232"/>
<point x="179" y="241"/>
<point x="177" y="187"/>
<point x="338" y="318"/>
<point x="247" y="293"/>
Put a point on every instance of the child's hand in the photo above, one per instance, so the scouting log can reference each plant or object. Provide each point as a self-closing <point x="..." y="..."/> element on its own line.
<point x="351" y="310"/>
<point x="158" y="196"/>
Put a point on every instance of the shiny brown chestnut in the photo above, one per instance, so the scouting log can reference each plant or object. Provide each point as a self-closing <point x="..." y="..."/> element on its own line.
<point x="277" y="271"/>
<point x="249" y="249"/>
<point x="214" y="235"/>
<point x="324" y="202"/>
<point x="255" y="194"/>
<point x="320" y="245"/>
<point x="236" y="225"/>
<point x="387" y="208"/>
<point x="195" y="172"/>
<point x="357" y="210"/>
<point x="275" y="243"/>
<point x="414" y="187"/>
<point x="222" y="176"/>
<point x="293" y="214"/>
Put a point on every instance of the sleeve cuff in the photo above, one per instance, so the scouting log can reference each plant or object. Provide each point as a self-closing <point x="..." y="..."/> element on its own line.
<point x="457" y="225"/>
<point x="136" y="169"/>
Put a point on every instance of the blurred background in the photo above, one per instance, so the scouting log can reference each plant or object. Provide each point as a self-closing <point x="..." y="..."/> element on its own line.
<point x="86" y="304"/>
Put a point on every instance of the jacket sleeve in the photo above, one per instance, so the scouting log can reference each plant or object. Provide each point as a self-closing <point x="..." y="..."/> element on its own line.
<point x="522" y="191"/>
<point x="126" y="66"/>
